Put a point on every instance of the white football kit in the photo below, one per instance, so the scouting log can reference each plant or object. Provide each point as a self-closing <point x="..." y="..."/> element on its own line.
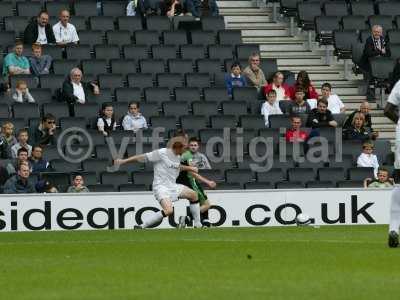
<point x="166" y="170"/>
<point x="394" y="98"/>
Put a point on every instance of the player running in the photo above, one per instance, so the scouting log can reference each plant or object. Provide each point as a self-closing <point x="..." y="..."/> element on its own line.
<point x="193" y="157"/>
<point x="391" y="111"/>
<point x="167" y="165"/>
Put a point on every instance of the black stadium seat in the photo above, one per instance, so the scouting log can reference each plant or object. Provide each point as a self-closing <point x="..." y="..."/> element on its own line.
<point x="158" y="23"/>
<point x="130" y="23"/>
<point x="114" y="8"/>
<point x="175" y="38"/>
<point x="135" y="52"/>
<point x="336" y="9"/>
<point x="85" y="8"/>
<point x="118" y="37"/>
<point x="123" y="66"/>
<point x="106" y="52"/>
<point x="181" y="66"/>
<point x="230" y="37"/>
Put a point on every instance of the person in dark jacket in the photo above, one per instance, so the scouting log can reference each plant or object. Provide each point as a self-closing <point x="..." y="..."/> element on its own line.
<point x="19" y="183"/>
<point x="375" y="46"/>
<point x="321" y="116"/>
<point x="202" y="8"/>
<point x="358" y="131"/>
<point x="38" y="163"/>
<point x="364" y="108"/>
<point x="39" y="30"/>
<point x="44" y="134"/>
<point x="74" y="90"/>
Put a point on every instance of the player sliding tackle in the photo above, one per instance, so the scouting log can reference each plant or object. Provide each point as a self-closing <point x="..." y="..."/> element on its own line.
<point x="167" y="165"/>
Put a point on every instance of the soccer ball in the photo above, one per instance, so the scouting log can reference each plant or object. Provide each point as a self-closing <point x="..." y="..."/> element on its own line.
<point x="303" y="220"/>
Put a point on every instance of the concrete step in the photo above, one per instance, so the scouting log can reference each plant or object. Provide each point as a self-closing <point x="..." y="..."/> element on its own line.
<point x="272" y="39"/>
<point x="243" y="12"/>
<point x="313" y="61"/>
<point x="237" y="4"/>
<point x="308" y="68"/>
<point x="256" y="26"/>
<point x="243" y="20"/>
<point x="280" y="31"/>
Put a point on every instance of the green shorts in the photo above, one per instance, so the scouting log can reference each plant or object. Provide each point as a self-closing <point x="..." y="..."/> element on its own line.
<point x="200" y="193"/>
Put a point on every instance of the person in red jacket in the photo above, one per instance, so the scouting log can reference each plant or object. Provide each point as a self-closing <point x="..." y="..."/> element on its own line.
<point x="303" y="80"/>
<point x="282" y="90"/>
<point x="295" y="134"/>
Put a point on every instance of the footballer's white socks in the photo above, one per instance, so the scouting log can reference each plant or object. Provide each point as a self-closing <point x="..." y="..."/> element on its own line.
<point x="195" y="211"/>
<point x="395" y="210"/>
<point x="155" y="218"/>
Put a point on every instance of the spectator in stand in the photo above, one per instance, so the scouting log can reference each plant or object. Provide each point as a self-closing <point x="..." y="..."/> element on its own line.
<point x="38" y="163"/>
<point x="78" y="185"/>
<point x="358" y="131"/>
<point x="3" y="177"/>
<point x="321" y="116"/>
<point x="75" y="90"/>
<point x="172" y="8"/>
<point x="64" y="32"/>
<point x="7" y="140"/>
<point x="202" y="8"/>
<point x="364" y="109"/>
<point x="270" y="107"/>
<point x="40" y="64"/>
<point x="235" y="78"/>
<point x="283" y="92"/>
<point x="134" y="120"/>
<point x="44" y="186"/>
<point x="21" y="93"/>
<point x="39" y="31"/>
<point x="106" y="121"/>
<point x="367" y="159"/>
<point x="335" y="105"/>
<point x="199" y="160"/>
<point x="253" y="73"/>
<point x="19" y="183"/>
<point x="303" y="81"/>
<point x="375" y="46"/>
<point x="22" y="157"/>
<point x="136" y="8"/>
<point x="295" y="134"/>
<point x="383" y="180"/>
<point x="43" y="135"/>
<point x="22" y="138"/>
<point x="15" y="63"/>
<point x="299" y="106"/>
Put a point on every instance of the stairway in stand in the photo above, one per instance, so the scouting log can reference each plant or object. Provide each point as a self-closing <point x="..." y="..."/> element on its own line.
<point x="293" y="54"/>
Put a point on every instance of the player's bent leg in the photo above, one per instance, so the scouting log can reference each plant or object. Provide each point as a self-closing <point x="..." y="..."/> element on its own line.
<point x="191" y="195"/>
<point x="167" y="210"/>
<point x="204" y="207"/>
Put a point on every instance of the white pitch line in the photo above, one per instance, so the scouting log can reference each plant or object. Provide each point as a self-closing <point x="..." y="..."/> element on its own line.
<point x="185" y="240"/>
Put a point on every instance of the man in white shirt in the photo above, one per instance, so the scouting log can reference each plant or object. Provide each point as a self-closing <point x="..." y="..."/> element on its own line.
<point x="65" y="32"/>
<point x="335" y="105"/>
<point x="167" y="165"/>
<point x="75" y="90"/>
<point x="391" y="111"/>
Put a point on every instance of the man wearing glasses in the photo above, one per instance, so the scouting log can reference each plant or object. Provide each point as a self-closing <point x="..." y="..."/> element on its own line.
<point x="44" y="134"/>
<point x="254" y="75"/>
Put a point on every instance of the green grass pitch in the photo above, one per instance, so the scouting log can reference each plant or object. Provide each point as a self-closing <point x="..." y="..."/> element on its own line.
<point x="238" y="263"/>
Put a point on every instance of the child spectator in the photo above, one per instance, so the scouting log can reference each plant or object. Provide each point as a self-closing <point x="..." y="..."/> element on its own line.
<point x="235" y="78"/>
<point x="134" y="120"/>
<point x="295" y="134"/>
<point x="22" y="157"/>
<point x="37" y="162"/>
<point x="106" y="122"/>
<point x="270" y="107"/>
<point x="22" y="138"/>
<point x="383" y="180"/>
<point x="21" y="93"/>
<point x="299" y="106"/>
<point x="367" y="159"/>
<point x="281" y="89"/>
<point x="78" y="185"/>
<point x="335" y="105"/>
<point x="303" y="81"/>
<point x="7" y="140"/>
<point x="321" y="116"/>
<point x="40" y="64"/>
<point x="358" y="131"/>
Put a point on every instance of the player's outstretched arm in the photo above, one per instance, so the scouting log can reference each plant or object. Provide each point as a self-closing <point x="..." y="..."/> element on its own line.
<point x="188" y="168"/>
<point x="140" y="157"/>
<point x="391" y="112"/>
<point x="203" y="179"/>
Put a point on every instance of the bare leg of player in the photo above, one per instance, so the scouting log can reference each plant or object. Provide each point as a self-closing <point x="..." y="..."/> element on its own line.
<point x="167" y="210"/>
<point x="194" y="204"/>
<point x="204" y="213"/>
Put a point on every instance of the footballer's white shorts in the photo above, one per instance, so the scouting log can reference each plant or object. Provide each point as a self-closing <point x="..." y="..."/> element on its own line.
<point x="397" y="148"/>
<point x="172" y="192"/>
